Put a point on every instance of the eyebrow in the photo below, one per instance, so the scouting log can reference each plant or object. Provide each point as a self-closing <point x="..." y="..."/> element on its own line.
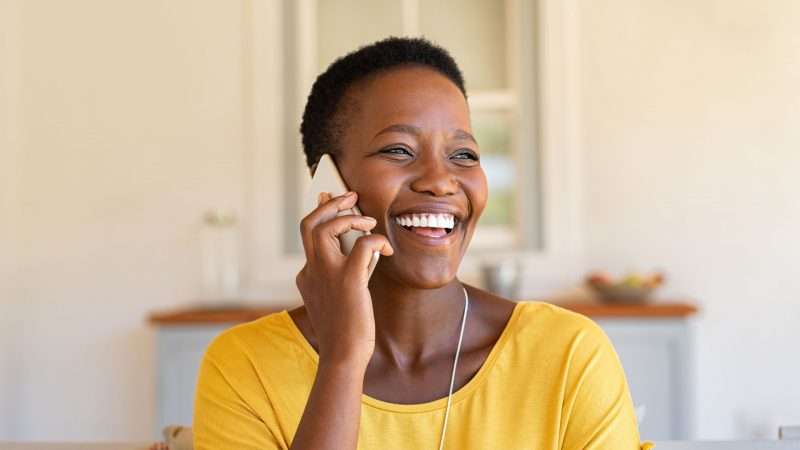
<point x="416" y="131"/>
<point x="463" y="135"/>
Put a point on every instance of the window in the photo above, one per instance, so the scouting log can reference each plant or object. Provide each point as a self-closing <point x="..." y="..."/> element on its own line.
<point x="493" y="43"/>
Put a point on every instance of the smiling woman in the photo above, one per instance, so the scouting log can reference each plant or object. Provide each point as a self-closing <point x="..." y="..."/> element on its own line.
<point x="368" y="362"/>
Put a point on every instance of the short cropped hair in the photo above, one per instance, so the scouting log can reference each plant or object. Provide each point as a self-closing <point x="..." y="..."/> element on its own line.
<point x="322" y="126"/>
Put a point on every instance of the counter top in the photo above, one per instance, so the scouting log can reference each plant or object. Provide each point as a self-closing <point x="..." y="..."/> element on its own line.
<point x="211" y="316"/>
<point x="651" y="310"/>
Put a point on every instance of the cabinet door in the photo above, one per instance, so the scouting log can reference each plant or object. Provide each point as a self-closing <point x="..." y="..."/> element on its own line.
<point x="180" y="350"/>
<point x="656" y="356"/>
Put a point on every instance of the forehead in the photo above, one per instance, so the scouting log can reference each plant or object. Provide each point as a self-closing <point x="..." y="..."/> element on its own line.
<point x="411" y="95"/>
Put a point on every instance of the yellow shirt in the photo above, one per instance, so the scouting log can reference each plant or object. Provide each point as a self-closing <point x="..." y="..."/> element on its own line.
<point x="552" y="381"/>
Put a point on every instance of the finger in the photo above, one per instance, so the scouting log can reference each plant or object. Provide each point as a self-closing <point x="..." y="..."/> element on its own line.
<point x="326" y="211"/>
<point x="360" y="257"/>
<point x="323" y="197"/>
<point x="308" y="247"/>
<point x="326" y="235"/>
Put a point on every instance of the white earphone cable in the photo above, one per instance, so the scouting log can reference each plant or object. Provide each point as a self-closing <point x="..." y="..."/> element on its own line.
<point x="455" y="365"/>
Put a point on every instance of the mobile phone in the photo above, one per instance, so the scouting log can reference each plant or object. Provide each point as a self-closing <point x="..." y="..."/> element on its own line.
<point x="327" y="178"/>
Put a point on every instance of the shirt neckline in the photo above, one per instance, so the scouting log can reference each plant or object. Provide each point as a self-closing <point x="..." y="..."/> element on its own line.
<point x="432" y="405"/>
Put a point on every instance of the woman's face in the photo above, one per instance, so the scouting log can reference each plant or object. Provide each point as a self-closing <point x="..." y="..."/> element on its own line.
<point x="407" y="150"/>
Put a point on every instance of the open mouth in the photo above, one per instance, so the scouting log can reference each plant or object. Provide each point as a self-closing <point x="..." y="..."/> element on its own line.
<point x="428" y="225"/>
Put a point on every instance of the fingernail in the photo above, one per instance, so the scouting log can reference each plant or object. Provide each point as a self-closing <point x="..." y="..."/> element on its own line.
<point x="370" y="219"/>
<point x="320" y="198"/>
<point x="349" y="194"/>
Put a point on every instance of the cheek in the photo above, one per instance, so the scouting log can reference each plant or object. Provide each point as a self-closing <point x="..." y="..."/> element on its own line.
<point x="376" y="193"/>
<point x="373" y="185"/>
<point x="477" y="190"/>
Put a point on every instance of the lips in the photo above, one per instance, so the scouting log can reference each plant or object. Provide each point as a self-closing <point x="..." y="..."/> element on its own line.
<point x="431" y="232"/>
<point x="431" y="223"/>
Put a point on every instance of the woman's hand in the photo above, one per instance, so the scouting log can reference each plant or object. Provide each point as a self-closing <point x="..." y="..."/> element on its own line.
<point x="334" y="286"/>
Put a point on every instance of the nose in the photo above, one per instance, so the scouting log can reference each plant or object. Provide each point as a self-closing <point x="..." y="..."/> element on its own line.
<point x="435" y="178"/>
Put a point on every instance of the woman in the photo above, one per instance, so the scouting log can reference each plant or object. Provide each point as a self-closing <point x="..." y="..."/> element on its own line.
<point x="367" y="361"/>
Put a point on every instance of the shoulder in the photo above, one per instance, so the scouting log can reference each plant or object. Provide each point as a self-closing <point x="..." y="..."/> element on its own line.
<point x="258" y="357"/>
<point x="531" y="323"/>
<point x="266" y="339"/>
<point x="532" y="317"/>
<point x="554" y="317"/>
<point x="562" y="330"/>
<point x="234" y="389"/>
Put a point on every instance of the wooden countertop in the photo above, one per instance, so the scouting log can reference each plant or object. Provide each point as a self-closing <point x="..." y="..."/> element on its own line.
<point x="653" y="310"/>
<point x="199" y="316"/>
<point x="206" y="316"/>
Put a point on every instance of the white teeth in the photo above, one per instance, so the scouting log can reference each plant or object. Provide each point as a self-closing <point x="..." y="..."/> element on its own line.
<point x="427" y="220"/>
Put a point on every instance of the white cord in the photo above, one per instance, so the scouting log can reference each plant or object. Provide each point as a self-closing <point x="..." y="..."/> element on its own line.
<point x="455" y="364"/>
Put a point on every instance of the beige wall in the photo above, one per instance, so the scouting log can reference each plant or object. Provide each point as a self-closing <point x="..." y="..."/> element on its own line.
<point x="129" y="124"/>
<point x="692" y="163"/>
<point x="10" y="292"/>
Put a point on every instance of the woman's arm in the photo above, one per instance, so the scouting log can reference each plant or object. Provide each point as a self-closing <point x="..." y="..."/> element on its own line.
<point x="339" y="306"/>
<point x="333" y="410"/>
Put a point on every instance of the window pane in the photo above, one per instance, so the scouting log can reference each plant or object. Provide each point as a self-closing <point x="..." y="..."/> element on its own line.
<point x="474" y="31"/>
<point x="346" y="25"/>
<point x="493" y="130"/>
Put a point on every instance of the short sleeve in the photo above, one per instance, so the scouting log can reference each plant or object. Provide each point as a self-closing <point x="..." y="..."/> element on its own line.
<point x="224" y="417"/>
<point x="597" y="411"/>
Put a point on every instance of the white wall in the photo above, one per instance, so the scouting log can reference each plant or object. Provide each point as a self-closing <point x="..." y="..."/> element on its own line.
<point x="692" y="162"/>
<point x="128" y="119"/>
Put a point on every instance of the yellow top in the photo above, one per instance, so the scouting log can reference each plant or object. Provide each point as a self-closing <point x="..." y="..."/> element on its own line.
<point x="551" y="382"/>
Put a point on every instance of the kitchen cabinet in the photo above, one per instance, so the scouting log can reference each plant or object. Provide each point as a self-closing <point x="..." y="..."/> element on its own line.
<point x="654" y="342"/>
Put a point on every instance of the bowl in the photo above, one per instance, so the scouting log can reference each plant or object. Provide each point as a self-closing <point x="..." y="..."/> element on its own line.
<point x="634" y="288"/>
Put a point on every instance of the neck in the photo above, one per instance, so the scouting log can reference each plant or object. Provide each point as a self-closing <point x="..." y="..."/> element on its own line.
<point x="414" y="325"/>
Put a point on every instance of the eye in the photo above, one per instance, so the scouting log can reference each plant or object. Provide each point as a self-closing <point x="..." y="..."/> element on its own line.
<point x="466" y="155"/>
<point x="397" y="152"/>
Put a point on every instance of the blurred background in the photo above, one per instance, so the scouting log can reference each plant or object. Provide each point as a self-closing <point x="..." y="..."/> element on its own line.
<point x="151" y="180"/>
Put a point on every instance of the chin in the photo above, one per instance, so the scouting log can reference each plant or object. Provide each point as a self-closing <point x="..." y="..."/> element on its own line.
<point x="421" y="275"/>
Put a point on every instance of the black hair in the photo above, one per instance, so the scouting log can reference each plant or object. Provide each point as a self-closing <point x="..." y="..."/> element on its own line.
<point x="321" y="128"/>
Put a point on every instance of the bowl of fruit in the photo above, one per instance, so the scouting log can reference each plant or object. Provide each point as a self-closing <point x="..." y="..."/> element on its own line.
<point x="632" y="288"/>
